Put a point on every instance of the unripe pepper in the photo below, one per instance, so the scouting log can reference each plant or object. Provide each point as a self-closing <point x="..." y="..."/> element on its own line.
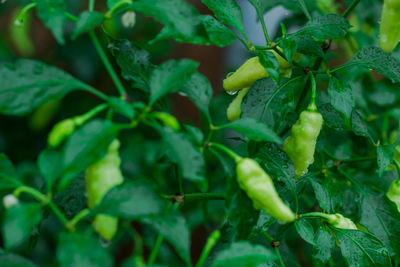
<point x="339" y="221"/>
<point x="251" y="71"/>
<point x="261" y="190"/>
<point x="235" y="107"/>
<point x="300" y="145"/>
<point x="167" y="119"/>
<point x="100" y="178"/>
<point x="61" y="131"/>
<point x="394" y="193"/>
<point x="390" y="25"/>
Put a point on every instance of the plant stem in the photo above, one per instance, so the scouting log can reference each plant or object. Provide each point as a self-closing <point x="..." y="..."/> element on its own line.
<point x="312" y="106"/>
<point x="154" y="251"/>
<point x="350" y="8"/>
<point x="304" y="8"/>
<point x="71" y="17"/>
<point x="278" y="254"/>
<point x="107" y="63"/>
<point x="22" y="14"/>
<point x="205" y="196"/>
<point x="228" y="151"/>
<point x="314" y="215"/>
<point x="42" y="199"/>
<point x="211" y="242"/>
<point x="93" y="91"/>
<point x="343" y="66"/>
<point x="74" y="221"/>
<point x="264" y="27"/>
<point x="91" y="5"/>
<point x="179" y="177"/>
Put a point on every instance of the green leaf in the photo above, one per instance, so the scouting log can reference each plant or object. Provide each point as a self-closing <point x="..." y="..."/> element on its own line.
<point x="289" y="49"/>
<point x="76" y="249"/>
<point x="199" y="90"/>
<point x="324" y="245"/>
<point x="52" y="13"/>
<point x="19" y="222"/>
<point x="332" y="118"/>
<point x="31" y="83"/>
<point x="184" y="24"/>
<point x="50" y="165"/>
<point x="134" y="63"/>
<point x="278" y="164"/>
<point x="174" y="228"/>
<point x="85" y="146"/>
<point x="8" y="176"/>
<point x="305" y="230"/>
<point x="243" y="254"/>
<point x="331" y="26"/>
<point x="362" y="249"/>
<point x="270" y="63"/>
<point x="88" y="20"/>
<point x="184" y="153"/>
<point x="376" y="59"/>
<point x="307" y="45"/>
<point x="170" y="77"/>
<point x="228" y="12"/>
<point x="13" y="260"/>
<point x="131" y="200"/>
<point x="358" y="125"/>
<point x="322" y="195"/>
<point x="254" y="130"/>
<point x="385" y="154"/>
<point x="122" y="107"/>
<point x="341" y="97"/>
<point x="381" y="218"/>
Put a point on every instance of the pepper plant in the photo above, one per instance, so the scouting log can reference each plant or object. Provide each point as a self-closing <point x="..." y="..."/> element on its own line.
<point x="298" y="165"/>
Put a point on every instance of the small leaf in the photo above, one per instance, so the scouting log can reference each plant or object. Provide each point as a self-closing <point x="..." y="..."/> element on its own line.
<point x="362" y="249"/>
<point x="254" y="130"/>
<point x="134" y="63"/>
<point x="385" y="156"/>
<point x="227" y="11"/>
<point x="184" y="153"/>
<point x="289" y="49"/>
<point x="86" y="145"/>
<point x="341" y="97"/>
<point x="243" y="254"/>
<point x="88" y="20"/>
<point x="76" y="249"/>
<point x="324" y="245"/>
<point x="305" y="230"/>
<point x="122" y="107"/>
<point x="52" y="13"/>
<point x="270" y="63"/>
<point x="50" y="165"/>
<point x="358" y="125"/>
<point x="174" y="228"/>
<point x="132" y="200"/>
<point x="170" y="77"/>
<point x="199" y="90"/>
<point x="19" y="222"/>
<point x="8" y="176"/>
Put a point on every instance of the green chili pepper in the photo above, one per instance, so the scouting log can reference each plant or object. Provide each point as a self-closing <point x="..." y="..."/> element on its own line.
<point x="339" y="221"/>
<point x="61" y="131"/>
<point x="167" y="119"/>
<point x="261" y="190"/>
<point x="235" y="107"/>
<point x="100" y="178"/>
<point x="251" y="71"/>
<point x="394" y="193"/>
<point x="390" y="25"/>
<point x="300" y="145"/>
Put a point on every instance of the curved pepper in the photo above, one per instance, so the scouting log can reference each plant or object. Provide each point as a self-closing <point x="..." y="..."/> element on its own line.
<point x="235" y="107"/>
<point x="251" y="71"/>
<point x="100" y="178"/>
<point x="300" y="145"/>
<point x="261" y="190"/>
<point x="390" y="25"/>
<point x="339" y="221"/>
